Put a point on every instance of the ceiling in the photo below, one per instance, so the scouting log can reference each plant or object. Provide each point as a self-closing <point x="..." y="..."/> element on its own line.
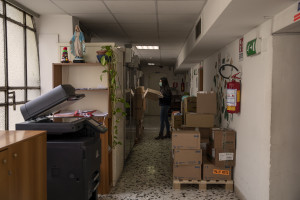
<point x="238" y="18"/>
<point x="166" y="23"/>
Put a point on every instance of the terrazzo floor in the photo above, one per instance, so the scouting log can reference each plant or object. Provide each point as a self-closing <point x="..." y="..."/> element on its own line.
<point x="147" y="173"/>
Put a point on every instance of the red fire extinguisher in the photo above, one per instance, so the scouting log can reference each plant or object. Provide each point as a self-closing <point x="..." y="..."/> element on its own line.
<point x="234" y="95"/>
<point x="182" y="86"/>
<point x="175" y="84"/>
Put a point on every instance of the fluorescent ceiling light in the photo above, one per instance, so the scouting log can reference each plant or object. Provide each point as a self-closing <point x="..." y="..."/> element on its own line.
<point x="151" y="63"/>
<point x="147" y="47"/>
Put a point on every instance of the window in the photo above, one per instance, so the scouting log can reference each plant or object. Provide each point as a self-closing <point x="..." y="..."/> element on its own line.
<point x="19" y="63"/>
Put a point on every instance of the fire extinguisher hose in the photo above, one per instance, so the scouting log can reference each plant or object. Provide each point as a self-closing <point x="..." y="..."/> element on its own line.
<point x="223" y="66"/>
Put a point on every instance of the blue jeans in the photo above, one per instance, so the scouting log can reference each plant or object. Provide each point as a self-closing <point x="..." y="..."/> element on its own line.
<point x="164" y="119"/>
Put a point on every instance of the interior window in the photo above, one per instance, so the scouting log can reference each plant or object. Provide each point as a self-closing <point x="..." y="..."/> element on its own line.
<point x="19" y="63"/>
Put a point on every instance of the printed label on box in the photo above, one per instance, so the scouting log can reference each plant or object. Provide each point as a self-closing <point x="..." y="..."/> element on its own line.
<point x="221" y="172"/>
<point x="226" y="156"/>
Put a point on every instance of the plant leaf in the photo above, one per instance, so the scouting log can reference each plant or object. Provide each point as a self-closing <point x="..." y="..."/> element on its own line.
<point x="103" y="60"/>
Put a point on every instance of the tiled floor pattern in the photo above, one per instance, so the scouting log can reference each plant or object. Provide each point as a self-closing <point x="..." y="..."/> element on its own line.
<point x="148" y="173"/>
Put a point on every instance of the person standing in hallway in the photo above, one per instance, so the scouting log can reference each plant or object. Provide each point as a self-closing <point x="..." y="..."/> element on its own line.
<point x="164" y="104"/>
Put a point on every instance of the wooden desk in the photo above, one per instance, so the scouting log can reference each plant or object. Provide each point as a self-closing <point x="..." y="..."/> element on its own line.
<point x="23" y="165"/>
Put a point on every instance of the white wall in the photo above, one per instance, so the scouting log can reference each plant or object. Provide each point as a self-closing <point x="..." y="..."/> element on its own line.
<point x="285" y="137"/>
<point x="194" y="80"/>
<point x="251" y="173"/>
<point x="51" y="29"/>
<point x="118" y="151"/>
<point x="285" y="18"/>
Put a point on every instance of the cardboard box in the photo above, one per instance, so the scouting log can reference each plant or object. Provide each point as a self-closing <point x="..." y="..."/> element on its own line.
<point x="152" y="94"/>
<point x="199" y="120"/>
<point x="187" y="157"/>
<point x="206" y="102"/>
<point x="185" y="139"/>
<point x="139" y="100"/>
<point x="190" y="104"/>
<point x="187" y="172"/>
<point x="220" y="157"/>
<point x="138" y="113"/>
<point x="139" y="130"/>
<point x="203" y="145"/>
<point x="205" y="132"/>
<point x="140" y="89"/>
<point x="212" y="172"/>
<point x="223" y="138"/>
<point x="176" y="121"/>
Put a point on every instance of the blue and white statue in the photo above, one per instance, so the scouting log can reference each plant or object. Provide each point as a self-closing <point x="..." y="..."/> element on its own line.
<point x="78" y="45"/>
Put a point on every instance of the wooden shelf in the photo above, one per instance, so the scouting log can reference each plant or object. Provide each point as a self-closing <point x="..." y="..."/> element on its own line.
<point x="78" y="64"/>
<point x="85" y="77"/>
<point x="92" y="89"/>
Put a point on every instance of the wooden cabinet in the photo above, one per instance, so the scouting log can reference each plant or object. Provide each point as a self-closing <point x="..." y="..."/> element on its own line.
<point x="23" y="169"/>
<point x="4" y="174"/>
<point x="86" y="78"/>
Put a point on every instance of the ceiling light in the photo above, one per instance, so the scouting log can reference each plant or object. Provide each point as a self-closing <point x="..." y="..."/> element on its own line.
<point x="147" y="47"/>
<point x="151" y="64"/>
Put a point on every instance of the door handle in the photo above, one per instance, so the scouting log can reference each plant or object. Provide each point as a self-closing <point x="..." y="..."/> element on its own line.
<point x="12" y="95"/>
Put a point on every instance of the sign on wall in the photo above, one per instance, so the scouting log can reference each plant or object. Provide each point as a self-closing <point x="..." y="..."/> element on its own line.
<point x="241" y="49"/>
<point x="253" y="47"/>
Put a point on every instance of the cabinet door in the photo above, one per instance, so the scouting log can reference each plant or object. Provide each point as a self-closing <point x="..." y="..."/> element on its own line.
<point x="28" y="169"/>
<point x="4" y="175"/>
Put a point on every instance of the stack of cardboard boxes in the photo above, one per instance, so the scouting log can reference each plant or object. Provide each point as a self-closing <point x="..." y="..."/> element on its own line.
<point x="221" y="155"/>
<point x="187" y="155"/>
<point x="212" y="149"/>
<point x="139" y="109"/>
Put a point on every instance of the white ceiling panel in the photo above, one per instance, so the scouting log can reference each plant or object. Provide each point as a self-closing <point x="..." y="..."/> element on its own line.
<point x="142" y="34"/>
<point x="41" y="6"/>
<point x="170" y="53"/>
<point x="96" y="18"/>
<point x="90" y="7"/>
<point x="140" y="27"/>
<point x="135" y="18"/>
<point x="176" y="27"/>
<point x="180" y="7"/>
<point x="172" y="34"/>
<point x="131" y="7"/>
<point x="177" y="19"/>
<point x="140" y="41"/>
<point x="172" y="46"/>
<point x="106" y="30"/>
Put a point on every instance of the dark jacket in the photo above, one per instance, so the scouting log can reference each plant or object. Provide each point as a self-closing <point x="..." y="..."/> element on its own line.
<point x="166" y="92"/>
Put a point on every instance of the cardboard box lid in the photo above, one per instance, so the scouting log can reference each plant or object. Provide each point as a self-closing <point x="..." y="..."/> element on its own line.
<point x="153" y="94"/>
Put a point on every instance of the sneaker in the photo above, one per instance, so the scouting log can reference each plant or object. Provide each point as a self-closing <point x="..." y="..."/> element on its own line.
<point x="168" y="135"/>
<point x="159" y="137"/>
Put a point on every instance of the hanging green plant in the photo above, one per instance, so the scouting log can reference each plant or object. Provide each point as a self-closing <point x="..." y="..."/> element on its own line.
<point x="109" y="61"/>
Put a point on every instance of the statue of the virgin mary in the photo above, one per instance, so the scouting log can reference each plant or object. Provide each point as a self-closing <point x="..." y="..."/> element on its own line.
<point x="78" y="45"/>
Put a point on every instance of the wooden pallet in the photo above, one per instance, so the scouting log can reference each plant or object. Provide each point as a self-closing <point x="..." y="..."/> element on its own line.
<point x="177" y="183"/>
<point x="203" y="184"/>
<point x="228" y="184"/>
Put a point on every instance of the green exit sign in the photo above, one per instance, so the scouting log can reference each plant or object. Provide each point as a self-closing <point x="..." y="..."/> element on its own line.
<point x="253" y="47"/>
